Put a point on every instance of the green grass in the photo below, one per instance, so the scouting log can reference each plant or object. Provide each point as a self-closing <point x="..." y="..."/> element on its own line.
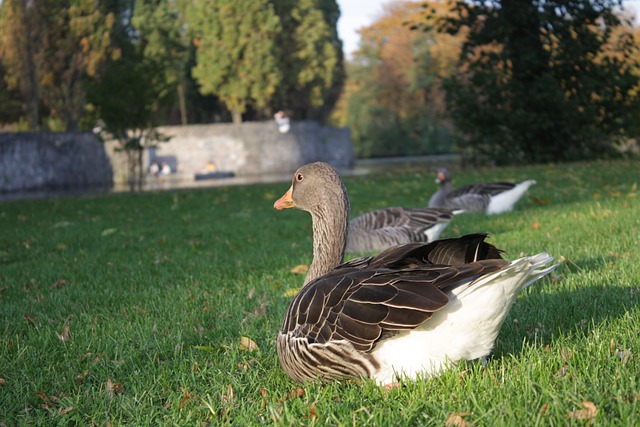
<point x="156" y="290"/>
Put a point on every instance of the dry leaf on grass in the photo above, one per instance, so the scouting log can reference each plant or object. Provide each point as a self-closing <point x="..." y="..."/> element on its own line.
<point x="588" y="413"/>
<point x="312" y="412"/>
<point x="2" y="382"/>
<point x="457" y="419"/>
<point x="108" y="231"/>
<point x="62" y="411"/>
<point x="46" y="401"/>
<point x="186" y="396"/>
<point x="291" y="292"/>
<point x="300" y="269"/>
<point x="64" y="335"/>
<point x="624" y="356"/>
<point x="58" y="284"/>
<point x="114" y="388"/>
<point x="293" y="394"/>
<point x="248" y="344"/>
<point x="29" y="317"/>
<point x="81" y="376"/>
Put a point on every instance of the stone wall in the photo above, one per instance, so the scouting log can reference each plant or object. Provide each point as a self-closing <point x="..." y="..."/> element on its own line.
<point x="252" y="148"/>
<point x="43" y="161"/>
<point x="32" y="161"/>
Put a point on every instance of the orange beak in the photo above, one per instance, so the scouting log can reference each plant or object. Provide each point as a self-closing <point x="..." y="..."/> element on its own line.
<point x="284" y="202"/>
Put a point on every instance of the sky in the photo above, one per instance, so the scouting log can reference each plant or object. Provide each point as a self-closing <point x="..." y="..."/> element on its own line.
<point x="355" y="14"/>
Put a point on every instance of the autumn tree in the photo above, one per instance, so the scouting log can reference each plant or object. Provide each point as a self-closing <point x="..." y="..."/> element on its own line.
<point x="236" y="56"/>
<point x="49" y="48"/>
<point x="541" y="80"/>
<point x="393" y="100"/>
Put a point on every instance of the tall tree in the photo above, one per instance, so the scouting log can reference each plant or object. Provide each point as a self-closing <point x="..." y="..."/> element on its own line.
<point x="310" y="57"/>
<point x="52" y="45"/>
<point x="393" y="100"/>
<point x="536" y="81"/>
<point x="18" y="41"/>
<point x="160" y="27"/>
<point x="236" y="56"/>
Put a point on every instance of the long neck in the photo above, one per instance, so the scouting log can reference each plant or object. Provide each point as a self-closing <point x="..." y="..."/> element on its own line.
<point x="437" y="200"/>
<point x="330" y="221"/>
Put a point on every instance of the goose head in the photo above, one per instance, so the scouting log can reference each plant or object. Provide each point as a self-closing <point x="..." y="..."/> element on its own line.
<point x="318" y="189"/>
<point x="443" y="176"/>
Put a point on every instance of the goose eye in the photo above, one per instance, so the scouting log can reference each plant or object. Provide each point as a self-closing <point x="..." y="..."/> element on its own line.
<point x="299" y="177"/>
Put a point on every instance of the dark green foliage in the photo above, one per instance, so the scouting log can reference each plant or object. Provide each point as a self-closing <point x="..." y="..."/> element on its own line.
<point x="541" y="81"/>
<point x="310" y="56"/>
<point x="236" y="56"/>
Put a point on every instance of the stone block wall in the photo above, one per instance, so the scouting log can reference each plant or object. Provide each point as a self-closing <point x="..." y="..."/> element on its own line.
<point x="44" y="161"/>
<point x="31" y="161"/>
<point x="252" y="148"/>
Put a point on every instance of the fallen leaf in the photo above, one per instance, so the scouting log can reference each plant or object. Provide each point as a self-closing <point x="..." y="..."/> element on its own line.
<point x="46" y="402"/>
<point x="293" y="394"/>
<point x="186" y="396"/>
<point x="300" y="269"/>
<point x="535" y="225"/>
<point x="114" y="388"/>
<point x="81" y="376"/>
<point x="624" y="356"/>
<point x="58" y="284"/>
<point x="457" y="419"/>
<point x="2" y="382"/>
<point x="66" y="410"/>
<point x="291" y="292"/>
<point x="108" y="231"/>
<point x="228" y="397"/>
<point x="30" y="318"/>
<point x="248" y="344"/>
<point x="589" y="412"/>
<point x="64" y="336"/>
<point x="312" y="412"/>
<point x="544" y="409"/>
<point x="62" y="224"/>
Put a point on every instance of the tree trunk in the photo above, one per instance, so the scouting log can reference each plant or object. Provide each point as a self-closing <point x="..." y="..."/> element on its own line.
<point x="236" y="116"/>
<point x="183" y="104"/>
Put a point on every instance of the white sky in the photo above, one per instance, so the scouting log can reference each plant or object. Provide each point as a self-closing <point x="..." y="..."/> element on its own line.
<point x="355" y="14"/>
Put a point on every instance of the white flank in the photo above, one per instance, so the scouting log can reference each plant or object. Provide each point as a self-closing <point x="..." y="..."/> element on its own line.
<point x="466" y="328"/>
<point x="434" y="231"/>
<point x="504" y="202"/>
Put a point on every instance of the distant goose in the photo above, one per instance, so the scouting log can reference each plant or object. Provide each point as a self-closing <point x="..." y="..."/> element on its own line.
<point x="411" y="311"/>
<point x="380" y="229"/>
<point x="489" y="197"/>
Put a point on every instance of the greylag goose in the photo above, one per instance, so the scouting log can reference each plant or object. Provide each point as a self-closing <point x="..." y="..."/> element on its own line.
<point x="411" y="311"/>
<point x="488" y="197"/>
<point x="380" y="229"/>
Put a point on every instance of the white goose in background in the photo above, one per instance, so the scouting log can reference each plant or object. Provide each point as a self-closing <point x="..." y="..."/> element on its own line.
<point x="411" y="311"/>
<point x="488" y="197"/>
<point x="380" y="229"/>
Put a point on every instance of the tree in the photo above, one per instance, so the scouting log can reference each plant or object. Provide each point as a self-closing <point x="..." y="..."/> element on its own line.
<point x="134" y="87"/>
<point x="310" y="57"/>
<point x="18" y="29"/>
<point x="50" y="47"/>
<point x="539" y="80"/>
<point x="393" y="100"/>
<point x="161" y="31"/>
<point x="236" y="51"/>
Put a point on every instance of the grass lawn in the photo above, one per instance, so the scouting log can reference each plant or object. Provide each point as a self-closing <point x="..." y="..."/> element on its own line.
<point x="135" y="309"/>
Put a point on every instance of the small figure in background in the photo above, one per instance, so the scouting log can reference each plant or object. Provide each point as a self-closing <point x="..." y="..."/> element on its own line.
<point x="282" y="121"/>
<point x="154" y="168"/>
<point x="165" y="169"/>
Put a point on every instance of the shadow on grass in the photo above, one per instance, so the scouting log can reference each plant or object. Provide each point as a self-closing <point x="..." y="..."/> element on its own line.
<point x="544" y="315"/>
